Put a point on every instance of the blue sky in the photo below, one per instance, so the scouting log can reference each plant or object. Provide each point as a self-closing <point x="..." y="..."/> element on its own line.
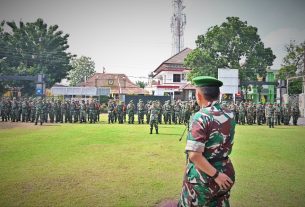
<point x="134" y="36"/>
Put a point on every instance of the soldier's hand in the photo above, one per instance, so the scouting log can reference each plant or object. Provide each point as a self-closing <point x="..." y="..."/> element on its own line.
<point x="223" y="181"/>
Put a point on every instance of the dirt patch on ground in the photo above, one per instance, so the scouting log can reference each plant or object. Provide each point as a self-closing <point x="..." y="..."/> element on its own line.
<point x="168" y="203"/>
<point x="11" y="125"/>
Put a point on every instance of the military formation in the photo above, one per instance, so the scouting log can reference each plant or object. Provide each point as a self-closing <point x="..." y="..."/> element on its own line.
<point x="269" y="114"/>
<point x="176" y="112"/>
<point x="38" y="110"/>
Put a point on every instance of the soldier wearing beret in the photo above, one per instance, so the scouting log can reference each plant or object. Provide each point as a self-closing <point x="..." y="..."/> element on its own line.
<point x="209" y="173"/>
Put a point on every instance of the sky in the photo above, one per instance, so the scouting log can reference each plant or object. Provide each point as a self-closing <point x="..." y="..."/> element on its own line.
<point x="134" y="36"/>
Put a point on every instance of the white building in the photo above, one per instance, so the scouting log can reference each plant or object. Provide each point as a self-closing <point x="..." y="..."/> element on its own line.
<point x="171" y="77"/>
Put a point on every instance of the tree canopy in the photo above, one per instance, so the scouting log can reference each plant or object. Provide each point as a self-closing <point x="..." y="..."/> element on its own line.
<point x="82" y="69"/>
<point x="235" y="45"/>
<point x="293" y="65"/>
<point x="34" y="48"/>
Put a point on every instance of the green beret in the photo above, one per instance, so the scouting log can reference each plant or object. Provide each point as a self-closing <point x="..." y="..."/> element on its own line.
<point x="206" y="81"/>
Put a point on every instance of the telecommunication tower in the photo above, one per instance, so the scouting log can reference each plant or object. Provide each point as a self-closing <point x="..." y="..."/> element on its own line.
<point x="177" y="25"/>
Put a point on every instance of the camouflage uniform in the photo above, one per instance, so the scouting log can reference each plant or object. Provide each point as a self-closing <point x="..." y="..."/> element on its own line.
<point x="141" y="110"/>
<point x="154" y="112"/>
<point x="177" y="109"/>
<point x="83" y="115"/>
<point x="167" y="112"/>
<point x="147" y="106"/>
<point x="24" y="112"/>
<point x="250" y="114"/>
<point x="242" y="113"/>
<point x="14" y="111"/>
<point x="76" y="112"/>
<point x="187" y="113"/>
<point x="51" y="110"/>
<point x="159" y="106"/>
<point x="269" y="111"/>
<point x="39" y="112"/>
<point x="130" y="111"/>
<point x="211" y="129"/>
<point x="110" y="112"/>
<point x="92" y="116"/>
<point x="295" y="115"/>
<point x="277" y="114"/>
<point x="120" y="113"/>
<point x="286" y="114"/>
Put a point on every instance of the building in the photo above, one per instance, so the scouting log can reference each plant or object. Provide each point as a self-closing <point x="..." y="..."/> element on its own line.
<point x="170" y="78"/>
<point x="118" y="84"/>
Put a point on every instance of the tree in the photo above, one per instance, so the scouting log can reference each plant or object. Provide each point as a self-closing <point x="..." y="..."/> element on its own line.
<point x="33" y="48"/>
<point x="233" y="45"/>
<point x="293" y="65"/>
<point x="141" y="84"/>
<point x="82" y="69"/>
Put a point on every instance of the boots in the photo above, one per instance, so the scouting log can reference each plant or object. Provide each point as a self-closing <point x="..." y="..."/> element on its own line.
<point x="151" y="130"/>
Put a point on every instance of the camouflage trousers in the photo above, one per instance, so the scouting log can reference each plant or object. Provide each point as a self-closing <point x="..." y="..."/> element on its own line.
<point x="199" y="189"/>
<point x="141" y="117"/>
<point x="167" y="117"/>
<point x="153" y="123"/>
<point x="83" y="116"/>
<point x="130" y="117"/>
<point x="270" y="122"/>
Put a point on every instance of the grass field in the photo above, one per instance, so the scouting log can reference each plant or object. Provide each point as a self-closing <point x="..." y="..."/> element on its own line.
<point x="123" y="165"/>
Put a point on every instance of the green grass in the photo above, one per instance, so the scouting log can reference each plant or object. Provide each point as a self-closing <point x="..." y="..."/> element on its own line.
<point x="123" y="165"/>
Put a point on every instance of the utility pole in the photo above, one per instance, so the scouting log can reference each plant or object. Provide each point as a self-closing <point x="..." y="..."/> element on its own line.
<point x="178" y="23"/>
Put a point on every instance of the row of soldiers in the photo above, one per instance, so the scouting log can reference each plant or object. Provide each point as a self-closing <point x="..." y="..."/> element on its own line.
<point x="177" y="112"/>
<point x="270" y="114"/>
<point x="54" y="111"/>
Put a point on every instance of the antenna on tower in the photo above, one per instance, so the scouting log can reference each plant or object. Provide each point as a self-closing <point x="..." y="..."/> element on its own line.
<point x="178" y="23"/>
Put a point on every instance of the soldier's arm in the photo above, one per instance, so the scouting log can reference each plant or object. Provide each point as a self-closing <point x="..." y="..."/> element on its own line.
<point x="203" y="164"/>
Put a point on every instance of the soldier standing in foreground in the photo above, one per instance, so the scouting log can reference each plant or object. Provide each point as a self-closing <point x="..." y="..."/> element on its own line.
<point x="209" y="173"/>
<point x="269" y="111"/>
<point x="153" y="122"/>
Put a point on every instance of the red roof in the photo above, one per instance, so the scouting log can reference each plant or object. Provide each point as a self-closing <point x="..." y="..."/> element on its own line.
<point x="115" y="81"/>
<point x="174" y="63"/>
<point x="189" y="87"/>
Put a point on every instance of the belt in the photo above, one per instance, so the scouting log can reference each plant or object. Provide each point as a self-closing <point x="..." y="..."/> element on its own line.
<point x="218" y="159"/>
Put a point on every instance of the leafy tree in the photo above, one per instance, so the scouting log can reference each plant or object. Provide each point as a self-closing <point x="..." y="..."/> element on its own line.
<point x="293" y="65"/>
<point x="33" y="48"/>
<point x="82" y="69"/>
<point x="233" y="44"/>
<point x="141" y="84"/>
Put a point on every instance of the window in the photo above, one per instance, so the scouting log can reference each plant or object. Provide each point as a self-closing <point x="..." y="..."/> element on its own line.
<point x="110" y="81"/>
<point x="177" y="78"/>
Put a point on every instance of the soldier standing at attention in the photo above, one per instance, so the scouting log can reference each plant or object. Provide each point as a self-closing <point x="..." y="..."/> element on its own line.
<point x="130" y="111"/>
<point x="269" y="111"/>
<point x="120" y="112"/>
<point x="83" y="109"/>
<point x="286" y="114"/>
<point x="39" y="112"/>
<point x="154" y="112"/>
<point x="167" y="112"/>
<point x="147" y="106"/>
<point x="277" y="114"/>
<point x="209" y="173"/>
<point x="14" y="110"/>
<point x="141" y="110"/>
<point x="242" y="113"/>
<point x="295" y="114"/>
